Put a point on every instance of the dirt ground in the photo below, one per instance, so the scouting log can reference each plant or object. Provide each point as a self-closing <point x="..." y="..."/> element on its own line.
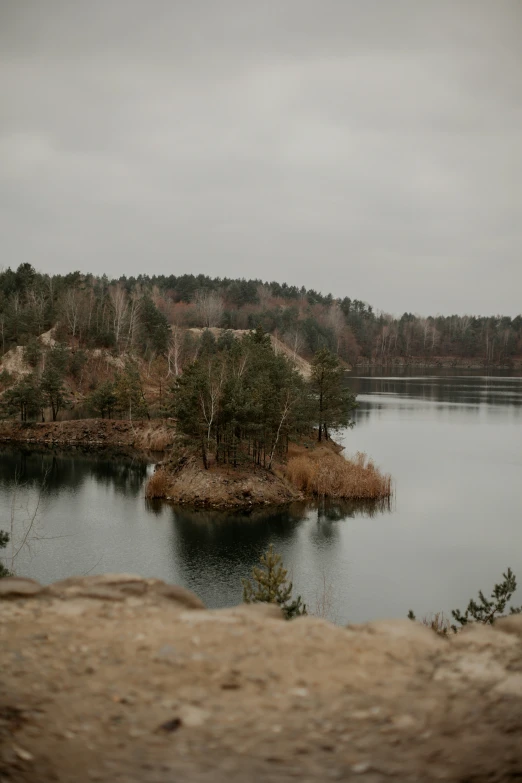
<point x="117" y="678"/>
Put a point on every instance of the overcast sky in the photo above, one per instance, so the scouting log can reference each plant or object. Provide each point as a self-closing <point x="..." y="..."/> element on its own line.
<point x="370" y="149"/>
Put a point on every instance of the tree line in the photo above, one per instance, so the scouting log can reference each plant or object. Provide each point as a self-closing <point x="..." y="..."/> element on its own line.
<point x="149" y="316"/>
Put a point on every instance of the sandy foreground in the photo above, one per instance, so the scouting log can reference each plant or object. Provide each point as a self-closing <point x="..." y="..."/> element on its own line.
<point x="119" y="678"/>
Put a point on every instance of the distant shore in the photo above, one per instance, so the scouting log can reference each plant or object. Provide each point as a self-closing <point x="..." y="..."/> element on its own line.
<point x="439" y="362"/>
<point x="91" y="434"/>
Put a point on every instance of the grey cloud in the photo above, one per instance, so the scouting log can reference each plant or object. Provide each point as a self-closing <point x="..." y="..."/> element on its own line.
<point x="369" y="149"/>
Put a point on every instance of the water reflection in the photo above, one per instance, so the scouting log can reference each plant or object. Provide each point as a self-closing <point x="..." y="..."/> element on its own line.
<point x="465" y="390"/>
<point x="55" y="471"/>
<point x="451" y="443"/>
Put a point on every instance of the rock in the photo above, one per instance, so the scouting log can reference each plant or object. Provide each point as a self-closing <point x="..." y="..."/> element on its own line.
<point x="177" y="594"/>
<point x="193" y="716"/>
<point x="170" y="725"/>
<point x="23" y="754"/>
<point x="16" y="587"/>
<point x="511" y="624"/>
<point x="301" y="693"/>
<point x="361" y="767"/>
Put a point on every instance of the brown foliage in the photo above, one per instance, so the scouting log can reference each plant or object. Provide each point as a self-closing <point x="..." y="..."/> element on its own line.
<point x="322" y="471"/>
<point x="157" y="485"/>
<point x="154" y="437"/>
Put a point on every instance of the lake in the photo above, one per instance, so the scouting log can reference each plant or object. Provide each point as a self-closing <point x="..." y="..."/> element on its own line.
<point x="451" y="440"/>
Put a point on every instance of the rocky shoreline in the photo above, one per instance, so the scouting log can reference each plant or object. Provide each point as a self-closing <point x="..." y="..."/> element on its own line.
<point x="221" y="488"/>
<point x="91" y="434"/>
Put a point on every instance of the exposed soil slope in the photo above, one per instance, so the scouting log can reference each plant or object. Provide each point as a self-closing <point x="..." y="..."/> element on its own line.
<point x="118" y="678"/>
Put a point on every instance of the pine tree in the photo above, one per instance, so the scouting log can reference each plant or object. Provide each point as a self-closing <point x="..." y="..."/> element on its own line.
<point x="103" y="400"/>
<point x="24" y="397"/>
<point x="128" y="390"/>
<point x="333" y="401"/>
<point x="53" y="390"/>
<point x="486" y="611"/>
<point x="270" y="585"/>
<point x="52" y="380"/>
<point x="33" y="352"/>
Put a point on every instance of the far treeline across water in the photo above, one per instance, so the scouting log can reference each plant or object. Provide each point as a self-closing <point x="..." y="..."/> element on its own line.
<point x="134" y="315"/>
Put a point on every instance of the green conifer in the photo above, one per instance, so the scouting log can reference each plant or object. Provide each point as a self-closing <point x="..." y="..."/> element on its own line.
<point x="270" y="585"/>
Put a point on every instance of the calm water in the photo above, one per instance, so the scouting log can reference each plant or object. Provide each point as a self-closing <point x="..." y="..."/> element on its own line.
<point x="451" y="441"/>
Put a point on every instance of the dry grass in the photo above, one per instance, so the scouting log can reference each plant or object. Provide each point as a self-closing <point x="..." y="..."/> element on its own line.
<point x="438" y="622"/>
<point x="324" y="472"/>
<point x="157" y="485"/>
<point x="154" y="437"/>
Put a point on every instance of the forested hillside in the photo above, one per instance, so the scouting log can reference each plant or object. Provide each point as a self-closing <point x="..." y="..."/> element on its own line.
<point x="134" y="315"/>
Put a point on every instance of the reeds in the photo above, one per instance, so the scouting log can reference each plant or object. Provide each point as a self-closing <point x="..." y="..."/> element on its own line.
<point x="157" y="485"/>
<point x="154" y="437"/>
<point x="324" y="472"/>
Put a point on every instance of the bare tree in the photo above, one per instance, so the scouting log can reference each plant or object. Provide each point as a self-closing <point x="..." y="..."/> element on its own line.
<point x="325" y="599"/>
<point x="36" y="303"/>
<point x="209" y="308"/>
<point x="336" y="321"/>
<point x="71" y="310"/>
<point x="134" y="316"/>
<point x="23" y="531"/>
<point x="264" y="294"/>
<point x="288" y="403"/>
<point x="120" y="310"/>
<point x="210" y="401"/>
<point x="295" y="341"/>
<point x="175" y="350"/>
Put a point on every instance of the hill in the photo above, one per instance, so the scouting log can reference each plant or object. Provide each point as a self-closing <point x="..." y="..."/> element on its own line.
<point x="134" y="315"/>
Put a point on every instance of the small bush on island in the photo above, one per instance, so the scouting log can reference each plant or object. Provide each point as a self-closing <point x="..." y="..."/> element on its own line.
<point x="270" y="585"/>
<point x="485" y="611"/>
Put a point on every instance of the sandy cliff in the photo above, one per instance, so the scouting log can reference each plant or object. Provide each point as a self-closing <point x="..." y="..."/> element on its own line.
<point x="117" y="678"/>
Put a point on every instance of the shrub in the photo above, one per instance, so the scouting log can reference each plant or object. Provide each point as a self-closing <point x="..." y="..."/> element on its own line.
<point x="157" y="485"/>
<point x="325" y="473"/>
<point x="438" y="622"/>
<point x="270" y="585"/>
<point x="484" y="611"/>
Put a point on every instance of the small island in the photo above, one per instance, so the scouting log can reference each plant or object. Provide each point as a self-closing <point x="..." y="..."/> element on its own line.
<point x="252" y="430"/>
